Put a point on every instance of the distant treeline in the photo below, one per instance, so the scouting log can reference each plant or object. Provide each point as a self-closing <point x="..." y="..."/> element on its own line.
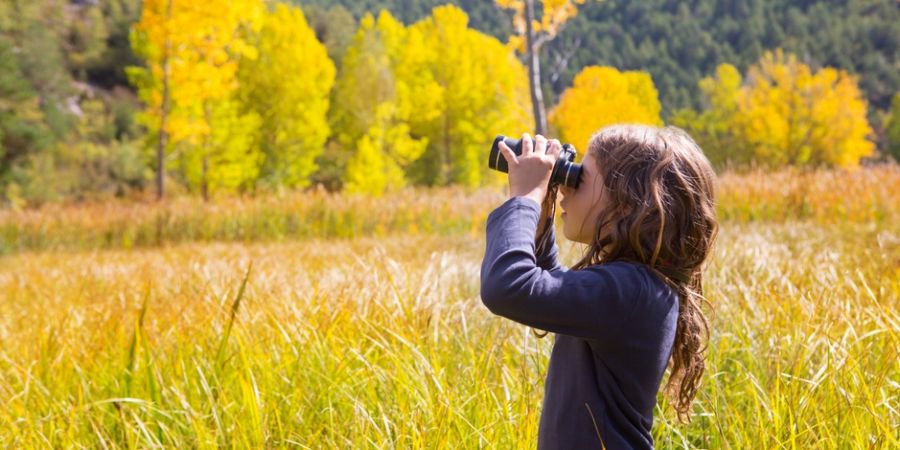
<point x="680" y="42"/>
<point x="368" y="96"/>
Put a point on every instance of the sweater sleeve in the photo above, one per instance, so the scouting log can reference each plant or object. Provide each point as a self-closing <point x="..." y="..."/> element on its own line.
<point x="592" y="303"/>
<point x="549" y="259"/>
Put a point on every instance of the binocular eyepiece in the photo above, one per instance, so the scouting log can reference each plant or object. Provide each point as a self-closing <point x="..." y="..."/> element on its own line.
<point x="566" y="171"/>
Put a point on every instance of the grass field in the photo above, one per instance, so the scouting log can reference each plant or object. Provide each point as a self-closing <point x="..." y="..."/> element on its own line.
<point x="327" y="321"/>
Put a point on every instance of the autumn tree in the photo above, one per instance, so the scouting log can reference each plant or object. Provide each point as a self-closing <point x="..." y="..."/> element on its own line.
<point x="603" y="96"/>
<point x="153" y="39"/>
<point x="531" y="34"/>
<point x="189" y="84"/>
<point x="287" y="87"/>
<point x="423" y="103"/>
<point x="479" y="91"/>
<point x="714" y="128"/>
<point x="783" y="113"/>
<point x="790" y="115"/>
<point x="383" y="83"/>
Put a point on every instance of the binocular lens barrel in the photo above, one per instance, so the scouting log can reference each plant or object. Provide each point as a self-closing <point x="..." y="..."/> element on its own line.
<point x="565" y="172"/>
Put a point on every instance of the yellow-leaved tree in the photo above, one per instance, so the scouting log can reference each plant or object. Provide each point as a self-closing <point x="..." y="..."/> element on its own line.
<point x="188" y="87"/>
<point x="423" y="103"/>
<point x="287" y="85"/>
<point x="382" y="84"/>
<point x="602" y="96"/>
<point x="220" y="155"/>
<point x="156" y="38"/>
<point x="790" y="115"/>
<point x="714" y="129"/>
<point x="480" y="91"/>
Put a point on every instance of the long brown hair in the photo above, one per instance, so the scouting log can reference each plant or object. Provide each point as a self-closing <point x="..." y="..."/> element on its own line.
<point x="660" y="212"/>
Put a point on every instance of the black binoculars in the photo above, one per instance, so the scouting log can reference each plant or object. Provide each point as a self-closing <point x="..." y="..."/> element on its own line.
<point x="566" y="171"/>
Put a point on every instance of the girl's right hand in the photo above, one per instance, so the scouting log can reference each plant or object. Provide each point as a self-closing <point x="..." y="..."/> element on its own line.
<point x="529" y="173"/>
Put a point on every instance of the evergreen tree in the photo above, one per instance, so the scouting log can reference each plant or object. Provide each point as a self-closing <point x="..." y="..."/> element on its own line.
<point x="22" y="130"/>
<point x="893" y="129"/>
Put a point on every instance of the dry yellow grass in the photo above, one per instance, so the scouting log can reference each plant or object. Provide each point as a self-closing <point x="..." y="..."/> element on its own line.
<point x="382" y="341"/>
<point x="826" y="197"/>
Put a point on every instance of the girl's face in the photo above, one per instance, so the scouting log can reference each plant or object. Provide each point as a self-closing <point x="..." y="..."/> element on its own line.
<point x="581" y="207"/>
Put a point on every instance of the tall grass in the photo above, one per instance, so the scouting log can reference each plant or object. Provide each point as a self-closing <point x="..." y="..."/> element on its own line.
<point x="828" y="197"/>
<point x="382" y="341"/>
<point x="374" y="343"/>
<point x="825" y="196"/>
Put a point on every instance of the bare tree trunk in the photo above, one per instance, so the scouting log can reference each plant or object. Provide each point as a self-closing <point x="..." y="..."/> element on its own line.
<point x="163" y="140"/>
<point x="204" y="174"/>
<point x="446" y="172"/>
<point x="164" y="113"/>
<point x="534" y="72"/>
<point x="204" y="184"/>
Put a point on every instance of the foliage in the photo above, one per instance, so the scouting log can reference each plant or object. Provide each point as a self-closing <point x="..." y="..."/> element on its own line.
<point x="486" y="16"/>
<point x="483" y="92"/>
<point x="212" y="156"/>
<point x="99" y="160"/>
<point x="383" y="85"/>
<point x="893" y="128"/>
<point x="531" y="34"/>
<point x="424" y="101"/>
<point x="87" y="36"/>
<point x="190" y="83"/>
<point x="381" y="153"/>
<point x="108" y="70"/>
<point x="224" y="158"/>
<point x="36" y="35"/>
<point x="714" y="128"/>
<point x="678" y="43"/>
<point x="22" y="130"/>
<point x="554" y="15"/>
<point x="65" y="54"/>
<point x="790" y="115"/>
<point x="334" y="28"/>
<point x="603" y="96"/>
<point x="783" y="114"/>
<point x="287" y="86"/>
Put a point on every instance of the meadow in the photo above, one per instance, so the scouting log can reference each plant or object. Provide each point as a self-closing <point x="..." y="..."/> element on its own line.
<point x="319" y="320"/>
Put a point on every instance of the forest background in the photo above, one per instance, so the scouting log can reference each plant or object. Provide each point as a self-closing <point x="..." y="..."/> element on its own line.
<point x="309" y="277"/>
<point x="371" y="96"/>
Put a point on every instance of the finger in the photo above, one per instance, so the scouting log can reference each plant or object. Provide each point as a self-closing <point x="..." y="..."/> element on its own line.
<point x="508" y="155"/>
<point x="555" y="148"/>
<point x="540" y="144"/>
<point x="527" y="144"/>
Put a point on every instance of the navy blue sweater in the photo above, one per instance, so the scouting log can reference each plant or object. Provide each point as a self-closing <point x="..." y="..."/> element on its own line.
<point x="614" y="325"/>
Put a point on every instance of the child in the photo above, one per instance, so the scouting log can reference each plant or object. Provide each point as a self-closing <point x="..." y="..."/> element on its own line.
<point x="629" y="309"/>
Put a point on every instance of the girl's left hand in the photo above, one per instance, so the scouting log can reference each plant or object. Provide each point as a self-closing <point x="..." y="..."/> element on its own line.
<point x="529" y="173"/>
